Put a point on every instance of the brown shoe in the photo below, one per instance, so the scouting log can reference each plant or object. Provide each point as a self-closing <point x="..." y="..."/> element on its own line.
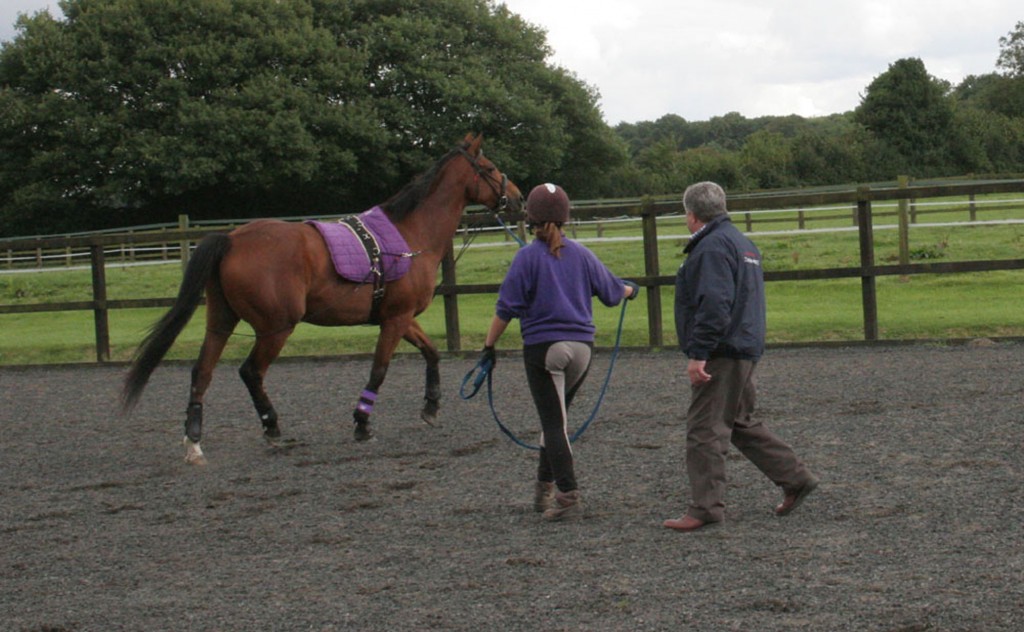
<point x="567" y="506"/>
<point x="686" y="523"/>
<point x="794" y="498"/>
<point x="543" y="496"/>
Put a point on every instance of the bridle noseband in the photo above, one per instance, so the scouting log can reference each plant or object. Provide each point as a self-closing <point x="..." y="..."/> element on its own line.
<point x="498" y="188"/>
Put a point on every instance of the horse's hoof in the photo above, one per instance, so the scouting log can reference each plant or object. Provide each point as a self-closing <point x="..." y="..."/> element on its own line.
<point x="362" y="432"/>
<point x="429" y="411"/>
<point x="193" y="453"/>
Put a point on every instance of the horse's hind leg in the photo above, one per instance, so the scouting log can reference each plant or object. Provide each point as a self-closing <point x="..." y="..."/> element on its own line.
<point x="432" y="392"/>
<point x="220" y="323"/>
<point x="252" y="372"/>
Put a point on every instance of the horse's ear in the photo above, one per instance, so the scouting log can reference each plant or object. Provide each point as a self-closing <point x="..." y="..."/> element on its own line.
<point x="473" y="143"/>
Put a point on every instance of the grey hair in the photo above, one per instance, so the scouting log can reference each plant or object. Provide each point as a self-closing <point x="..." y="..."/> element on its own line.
<point x="706" y="200"/>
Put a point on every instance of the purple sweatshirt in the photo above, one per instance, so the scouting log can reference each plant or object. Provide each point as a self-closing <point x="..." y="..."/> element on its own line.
<point x="551" y="296"/>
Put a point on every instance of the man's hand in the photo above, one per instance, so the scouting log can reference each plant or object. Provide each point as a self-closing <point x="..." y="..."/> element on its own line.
<point x="695" y="369"/>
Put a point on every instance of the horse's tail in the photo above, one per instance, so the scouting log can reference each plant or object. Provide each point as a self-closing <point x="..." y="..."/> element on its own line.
<point x="202" y="266"/>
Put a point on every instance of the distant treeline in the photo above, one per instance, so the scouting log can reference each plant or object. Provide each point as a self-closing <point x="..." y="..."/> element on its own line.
<point x="907" y="123"/>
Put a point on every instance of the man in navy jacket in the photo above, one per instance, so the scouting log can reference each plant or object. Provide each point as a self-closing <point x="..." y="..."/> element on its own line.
<point x="720" y="321"/>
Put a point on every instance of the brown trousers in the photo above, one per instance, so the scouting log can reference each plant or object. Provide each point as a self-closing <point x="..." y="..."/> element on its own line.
<point x="721" y="412"/>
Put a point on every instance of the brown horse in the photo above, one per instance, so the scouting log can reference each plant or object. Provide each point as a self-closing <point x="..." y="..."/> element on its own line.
<point x="275" y="274"/>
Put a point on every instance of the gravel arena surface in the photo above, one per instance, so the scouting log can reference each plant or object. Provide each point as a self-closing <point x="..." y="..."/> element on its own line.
<point x="917" y="525"/>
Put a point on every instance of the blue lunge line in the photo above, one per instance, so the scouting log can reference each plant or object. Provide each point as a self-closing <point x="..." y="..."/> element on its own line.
<point x="522" y="244"/>
<point x="484" y="372"/>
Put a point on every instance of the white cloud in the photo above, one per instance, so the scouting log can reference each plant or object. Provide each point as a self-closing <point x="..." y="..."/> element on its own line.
<point x="700" y="59"/>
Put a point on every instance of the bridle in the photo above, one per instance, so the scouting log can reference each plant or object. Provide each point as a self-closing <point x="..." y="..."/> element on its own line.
<point x="499" y="188"/>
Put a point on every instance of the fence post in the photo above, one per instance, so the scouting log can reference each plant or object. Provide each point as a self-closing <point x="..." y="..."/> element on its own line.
<point x="869" y="297"/>
<point x="913" y="204"/>
<point x="183" y="225"/>
<point x="451" y="303"/>
<point x="99" y="302"/>
<point x="651" y="267"/>
<point x="904" y="223"/>
<point x="973" y="207"/>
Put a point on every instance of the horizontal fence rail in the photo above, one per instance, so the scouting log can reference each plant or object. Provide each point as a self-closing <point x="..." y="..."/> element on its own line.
<point x="861" y="207"/>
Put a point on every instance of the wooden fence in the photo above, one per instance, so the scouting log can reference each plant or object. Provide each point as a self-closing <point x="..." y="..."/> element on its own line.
<point x="742" y="207"/>
<point x="59" y="254"/>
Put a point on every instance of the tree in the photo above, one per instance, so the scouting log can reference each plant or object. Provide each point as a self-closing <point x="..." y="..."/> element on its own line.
<point x="731" y="130"/>
<point x="709" y="162"/>
<point x="684" y="134"/>
<point x="992" y="92"/>
<point x="767" y="159"/>
<point x="132" y="111"/>
<point x="908" y="109"/>
<point x="1011" y="53"/>
<point x="662" y="164"/>
<point x="988" y="142"/>
<point x="436" y="69"/>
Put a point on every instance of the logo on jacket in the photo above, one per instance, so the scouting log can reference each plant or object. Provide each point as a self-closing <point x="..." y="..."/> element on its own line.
<point x="751" y="258"/>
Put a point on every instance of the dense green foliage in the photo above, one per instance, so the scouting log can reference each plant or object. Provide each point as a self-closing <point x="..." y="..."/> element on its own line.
<point x="127" y="112"/>
<point x="133" y="111"/>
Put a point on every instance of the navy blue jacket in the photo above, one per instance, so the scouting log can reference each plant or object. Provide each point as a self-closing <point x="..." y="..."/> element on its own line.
<point x="719" y="302"/>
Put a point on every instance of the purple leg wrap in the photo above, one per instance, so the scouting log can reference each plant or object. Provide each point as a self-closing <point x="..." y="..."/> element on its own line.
<point x="366" y="401"/>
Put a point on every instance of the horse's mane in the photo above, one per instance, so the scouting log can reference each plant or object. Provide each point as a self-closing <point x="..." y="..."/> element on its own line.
<point x="399" y="205"/>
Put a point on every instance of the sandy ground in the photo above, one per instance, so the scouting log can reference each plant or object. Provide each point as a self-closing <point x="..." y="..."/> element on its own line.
<point x="917" y="524"/>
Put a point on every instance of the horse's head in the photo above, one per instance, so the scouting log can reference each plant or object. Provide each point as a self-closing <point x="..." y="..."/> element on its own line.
<point x="489" y="186"/>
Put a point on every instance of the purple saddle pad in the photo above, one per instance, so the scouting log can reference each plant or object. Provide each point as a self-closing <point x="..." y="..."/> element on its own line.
<point x="349" y="255"/>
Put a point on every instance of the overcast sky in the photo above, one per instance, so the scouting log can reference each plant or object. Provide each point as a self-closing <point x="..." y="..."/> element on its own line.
<point x="705" y="58"/>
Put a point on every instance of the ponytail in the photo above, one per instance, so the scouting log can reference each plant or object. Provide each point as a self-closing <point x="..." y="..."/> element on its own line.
<point x="551" y="234"/>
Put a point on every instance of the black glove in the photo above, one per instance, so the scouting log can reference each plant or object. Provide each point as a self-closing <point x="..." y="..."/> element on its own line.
<point x="636" y="289"/>
<point x="488" y="357"/>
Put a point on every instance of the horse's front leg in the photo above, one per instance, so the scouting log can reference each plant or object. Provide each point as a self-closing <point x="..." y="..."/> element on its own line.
<point x="432" y="392"/>
<point x="391" y="332"/>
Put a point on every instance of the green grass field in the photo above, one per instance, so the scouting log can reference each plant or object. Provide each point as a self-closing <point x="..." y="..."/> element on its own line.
<point x="919" y="307"/>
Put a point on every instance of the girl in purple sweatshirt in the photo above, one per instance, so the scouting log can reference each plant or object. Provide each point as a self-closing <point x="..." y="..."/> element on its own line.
<point x="549" y="288"/>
